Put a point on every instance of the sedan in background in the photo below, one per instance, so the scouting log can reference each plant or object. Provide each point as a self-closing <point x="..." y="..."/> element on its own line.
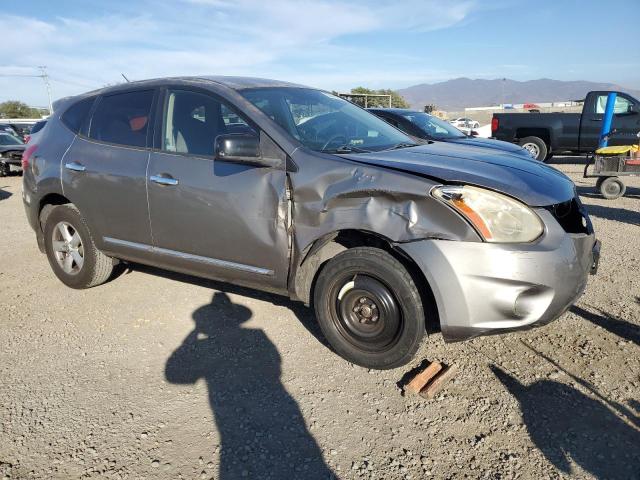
<point x="464" y="122"/>
<point x="428" y="127"/>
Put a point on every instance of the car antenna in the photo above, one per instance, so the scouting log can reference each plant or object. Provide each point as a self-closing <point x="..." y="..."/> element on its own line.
<point x="123" y="76"/>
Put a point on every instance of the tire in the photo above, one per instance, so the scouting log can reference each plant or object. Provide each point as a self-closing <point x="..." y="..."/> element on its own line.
<point x="536" y="147"/>
<point x="5" y="169"/>
<point x="548" y="157"/>
<point x="369" y="308"/>
<point x="612" y="188"/>
<point x="74" y="257"/>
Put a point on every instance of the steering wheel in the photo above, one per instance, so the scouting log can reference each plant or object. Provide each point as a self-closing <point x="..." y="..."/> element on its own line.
<point x="333" y="139"/>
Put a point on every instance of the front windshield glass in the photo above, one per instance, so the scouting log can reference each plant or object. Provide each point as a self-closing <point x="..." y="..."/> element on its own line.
<point x="6" y="139"/>
<point x="324" y="122"/>
<point x="433" y="126"/>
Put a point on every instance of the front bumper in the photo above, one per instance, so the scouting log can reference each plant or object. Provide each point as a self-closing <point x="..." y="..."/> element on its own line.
<point x="485" y="288"/>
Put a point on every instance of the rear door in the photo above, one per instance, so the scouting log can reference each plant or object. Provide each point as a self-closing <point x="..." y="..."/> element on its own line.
<point x="104" y="172"/>
<point x="212" y="217"/>
<point x="625" y="122"/>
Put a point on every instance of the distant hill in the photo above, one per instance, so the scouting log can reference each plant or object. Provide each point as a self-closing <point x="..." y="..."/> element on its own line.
<point x="456" y="94"/>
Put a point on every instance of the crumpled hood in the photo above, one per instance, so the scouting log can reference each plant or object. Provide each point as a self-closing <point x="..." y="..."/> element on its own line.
<point x="528" y="180"/>
<point x="489" y="143"/>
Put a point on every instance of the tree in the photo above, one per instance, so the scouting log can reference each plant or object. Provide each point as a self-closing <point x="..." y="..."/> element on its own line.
<point x="397" y="100"/>
<point x="17" y="109"/>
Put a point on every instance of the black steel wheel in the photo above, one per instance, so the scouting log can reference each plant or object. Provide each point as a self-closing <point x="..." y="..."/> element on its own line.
<point x="369" y="308"/>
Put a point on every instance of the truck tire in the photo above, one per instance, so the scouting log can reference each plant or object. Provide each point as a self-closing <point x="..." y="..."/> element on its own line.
<point x="612" y="188"/>
<point x="535" y="146"/>
<point x="71" y="251"/>
<point x="369" y="308"/>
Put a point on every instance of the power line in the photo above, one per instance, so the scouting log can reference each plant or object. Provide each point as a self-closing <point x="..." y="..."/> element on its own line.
<point x="43" y="75"/>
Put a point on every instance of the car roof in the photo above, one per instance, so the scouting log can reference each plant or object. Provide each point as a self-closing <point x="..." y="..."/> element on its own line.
<point x="235" y="83"/>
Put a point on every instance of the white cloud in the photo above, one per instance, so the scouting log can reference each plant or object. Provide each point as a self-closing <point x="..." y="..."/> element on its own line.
<point x="301" y="41"/>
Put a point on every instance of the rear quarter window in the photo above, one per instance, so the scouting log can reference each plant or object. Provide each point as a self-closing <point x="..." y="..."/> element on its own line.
<point x="123" y="118"/>
<point x="77" y="114"/>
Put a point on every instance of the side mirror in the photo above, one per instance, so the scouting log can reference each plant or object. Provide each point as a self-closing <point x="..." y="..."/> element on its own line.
<point x="246" y="149"/>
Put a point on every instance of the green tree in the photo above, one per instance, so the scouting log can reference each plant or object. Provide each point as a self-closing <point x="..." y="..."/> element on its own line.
<point x="397" y="100"/>
<point x="17" y="109"/>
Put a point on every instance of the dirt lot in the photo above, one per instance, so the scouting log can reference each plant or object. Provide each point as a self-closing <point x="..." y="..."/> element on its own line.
<point x="157" y="375"/>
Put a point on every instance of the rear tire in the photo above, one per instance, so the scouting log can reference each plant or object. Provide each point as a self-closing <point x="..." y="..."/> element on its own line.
<point x="535" y="146"/>
<point x="369" y="308"/>
<point x="612" y="188"/>
<point x="71" y="251"/>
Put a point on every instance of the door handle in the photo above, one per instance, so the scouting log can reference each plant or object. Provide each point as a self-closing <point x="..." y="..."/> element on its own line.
<point x="163" y="180"/>
<point x="75" y="166"/>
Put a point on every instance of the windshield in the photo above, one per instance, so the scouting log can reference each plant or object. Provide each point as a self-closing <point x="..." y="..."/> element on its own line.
<point x="324" y="122"/>
<point x="433" y="126"/>
<point x="6" y="139"/>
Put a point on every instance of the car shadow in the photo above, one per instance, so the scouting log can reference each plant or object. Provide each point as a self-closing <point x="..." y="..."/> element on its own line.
<point x="566" y="160"/>
<point x="262" y="431"/>
<point x="621" y="328"/>
<point x="614" y="213"/>
<point x="304" y="314"/>
<point x="4" y="194"/>
<point x="567" y="425"/>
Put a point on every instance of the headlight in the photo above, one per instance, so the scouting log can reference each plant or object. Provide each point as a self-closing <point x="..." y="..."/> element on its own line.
<point x="496" y="217"/>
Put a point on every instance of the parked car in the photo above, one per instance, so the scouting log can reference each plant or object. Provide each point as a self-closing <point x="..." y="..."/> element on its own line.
<point x="465" y="122"/>
<point x="21" y="130"/>
<point x="310" y="197"/>
<point x="11" y="148"/>
<point x="544" y="134"/>
<point x="428" y="127"/>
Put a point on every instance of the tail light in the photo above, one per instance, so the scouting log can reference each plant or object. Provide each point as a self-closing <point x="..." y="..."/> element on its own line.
<point x="494" y="124"/>
<point x="26" y="156"/>
<point x="27" y="138"/>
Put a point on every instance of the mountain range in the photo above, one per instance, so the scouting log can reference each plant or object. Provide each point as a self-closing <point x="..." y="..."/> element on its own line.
<point x="456" y="94"/>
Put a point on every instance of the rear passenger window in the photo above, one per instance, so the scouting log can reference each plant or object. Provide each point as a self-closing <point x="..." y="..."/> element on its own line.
<point x="76" y="114"/>
<point x="123" y="118"/>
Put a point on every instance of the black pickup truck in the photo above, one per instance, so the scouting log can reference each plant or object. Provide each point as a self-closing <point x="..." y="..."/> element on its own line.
<point x="544" y="134"/>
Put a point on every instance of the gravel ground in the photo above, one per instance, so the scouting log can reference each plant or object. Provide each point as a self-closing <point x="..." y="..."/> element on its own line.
<point x="158" y="375"/>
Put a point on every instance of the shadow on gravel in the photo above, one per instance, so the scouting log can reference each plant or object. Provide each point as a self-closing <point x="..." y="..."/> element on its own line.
<point x="591" y="192"/>
<point x="565" y="424"/>
<point x="262" y="431"/>
<point x="622" y="329"/>
<point x="4" y="194"/>
<point x="615" y="214"/>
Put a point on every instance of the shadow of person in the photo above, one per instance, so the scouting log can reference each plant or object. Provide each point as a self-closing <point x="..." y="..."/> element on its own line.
<point x="262" y="431"/>
<point x="566" y="424"/>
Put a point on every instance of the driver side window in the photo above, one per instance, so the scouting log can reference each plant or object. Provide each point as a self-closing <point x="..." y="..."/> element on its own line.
<point x="193" y="120"/>
<point x="622" y="105"/>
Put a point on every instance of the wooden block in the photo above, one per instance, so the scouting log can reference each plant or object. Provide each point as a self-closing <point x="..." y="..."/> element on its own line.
<point x="439" y="382"/>
<point x="418" y="382"/>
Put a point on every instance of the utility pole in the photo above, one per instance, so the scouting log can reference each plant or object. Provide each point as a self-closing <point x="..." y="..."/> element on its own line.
<point x="45" y="77"/>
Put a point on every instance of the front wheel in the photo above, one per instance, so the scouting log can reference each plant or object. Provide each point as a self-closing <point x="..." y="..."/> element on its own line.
<point x="369" y="308"/>
<point x="72" y="254"/>
<point x="5" y="169"/>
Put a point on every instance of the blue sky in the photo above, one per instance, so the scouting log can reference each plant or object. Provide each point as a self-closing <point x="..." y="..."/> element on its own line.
<point x="332" y="44"/>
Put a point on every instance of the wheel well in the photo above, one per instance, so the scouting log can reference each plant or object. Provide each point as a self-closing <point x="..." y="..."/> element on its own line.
<point x="50" y="199"/>
<point x="535" y="132"/>
<point x="324" y="249"/>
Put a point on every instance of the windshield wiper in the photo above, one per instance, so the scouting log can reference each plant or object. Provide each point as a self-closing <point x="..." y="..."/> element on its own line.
<point x="402" y="145"/>
<point x="346" y="148"/>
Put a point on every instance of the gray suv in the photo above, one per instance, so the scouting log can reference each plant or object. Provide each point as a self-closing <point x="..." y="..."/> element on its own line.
<point x="295" y="191"/>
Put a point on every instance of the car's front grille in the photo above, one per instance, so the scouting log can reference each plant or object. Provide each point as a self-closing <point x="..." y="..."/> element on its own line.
<point x="572" y="216"/>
